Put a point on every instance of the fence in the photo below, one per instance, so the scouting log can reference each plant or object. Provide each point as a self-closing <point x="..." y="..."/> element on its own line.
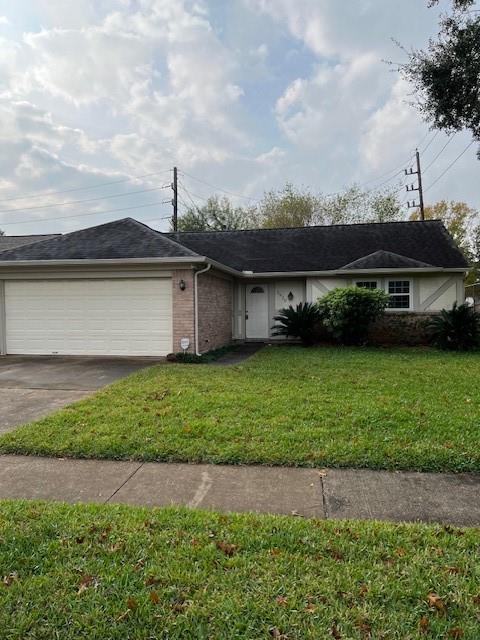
<point x="472" y="295"/>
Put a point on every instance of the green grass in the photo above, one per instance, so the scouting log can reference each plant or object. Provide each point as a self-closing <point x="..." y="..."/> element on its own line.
<point x="115" y="572"/>
<point x="404" y="409"/>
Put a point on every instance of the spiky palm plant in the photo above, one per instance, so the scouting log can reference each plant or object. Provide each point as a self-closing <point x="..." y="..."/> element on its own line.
<point x="298" y="322"/>
<point x="457" y="329"/>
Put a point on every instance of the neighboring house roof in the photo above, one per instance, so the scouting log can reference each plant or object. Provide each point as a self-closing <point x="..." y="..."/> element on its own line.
<point x="424" y="244"/>
<point x="12" y="242"/>
<point x="125" y="238"/>
<point x="329" y="247"/>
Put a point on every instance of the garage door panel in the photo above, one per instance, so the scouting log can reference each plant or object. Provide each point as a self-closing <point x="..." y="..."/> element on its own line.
<point x="90" y="317"/>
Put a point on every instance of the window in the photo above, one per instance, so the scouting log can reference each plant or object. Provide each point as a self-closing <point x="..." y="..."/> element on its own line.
<point x="367" y="284"/>
<point x="399" y="292"/>
<point x="257" y="290"/>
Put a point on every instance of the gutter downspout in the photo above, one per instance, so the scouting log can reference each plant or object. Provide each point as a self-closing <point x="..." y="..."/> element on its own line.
<point x="195" y="293"/>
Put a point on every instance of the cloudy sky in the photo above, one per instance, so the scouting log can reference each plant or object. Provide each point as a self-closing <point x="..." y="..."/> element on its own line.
<point x="99" y="99"/>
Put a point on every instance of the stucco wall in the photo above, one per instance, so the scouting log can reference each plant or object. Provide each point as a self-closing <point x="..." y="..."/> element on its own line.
<point x="429" y="292"/>
<point x="183" y="309"/>
<point x="215" y="311"/>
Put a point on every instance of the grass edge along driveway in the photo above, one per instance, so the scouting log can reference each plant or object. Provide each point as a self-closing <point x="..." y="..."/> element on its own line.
<point x="121" y="572"/>
<point x="367" y="408"/>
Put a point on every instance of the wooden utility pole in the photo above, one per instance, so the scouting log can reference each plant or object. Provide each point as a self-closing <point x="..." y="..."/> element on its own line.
<point x="418" y="188"/>
<point x="175" y="199"/>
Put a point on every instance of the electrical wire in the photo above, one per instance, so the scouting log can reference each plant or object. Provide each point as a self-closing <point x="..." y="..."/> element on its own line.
<point x="450" y="166"/>
<point x="96" y="186"/>
<point x="63" y="204"/>
<point x="450" y="138"/>
<point x="90" y="213"/>
<point x="230" y="193"/>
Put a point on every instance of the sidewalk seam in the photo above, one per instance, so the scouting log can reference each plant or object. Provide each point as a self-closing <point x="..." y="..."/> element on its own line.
<point x="324" y="501"/>
<point x="124" y="482"/>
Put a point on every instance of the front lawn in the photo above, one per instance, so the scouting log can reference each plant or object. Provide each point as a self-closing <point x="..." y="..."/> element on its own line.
<point x="118" y="572"/>
<point x="393" y="409"/>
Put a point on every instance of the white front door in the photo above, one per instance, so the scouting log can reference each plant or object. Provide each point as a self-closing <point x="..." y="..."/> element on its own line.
<point x="256" y="317"/>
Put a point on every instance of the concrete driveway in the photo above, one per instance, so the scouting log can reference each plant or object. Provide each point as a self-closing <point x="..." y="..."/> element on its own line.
<point x="34" y="386"/>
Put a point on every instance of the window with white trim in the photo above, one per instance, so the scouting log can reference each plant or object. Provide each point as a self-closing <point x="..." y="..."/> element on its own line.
<point x="400" y="294"/>
<point x="367" y="284"/>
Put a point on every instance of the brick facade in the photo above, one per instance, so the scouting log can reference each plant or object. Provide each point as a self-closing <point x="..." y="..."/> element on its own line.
<point x="215" y="311"/>
<point x="183" y="309"/>
<point x="401" y="328"/>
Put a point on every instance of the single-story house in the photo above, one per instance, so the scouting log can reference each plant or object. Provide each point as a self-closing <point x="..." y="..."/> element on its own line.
<point x="122" y="288"/>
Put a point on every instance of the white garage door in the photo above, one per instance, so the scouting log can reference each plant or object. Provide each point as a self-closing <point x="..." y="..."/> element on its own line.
<point x="89" y="317"/>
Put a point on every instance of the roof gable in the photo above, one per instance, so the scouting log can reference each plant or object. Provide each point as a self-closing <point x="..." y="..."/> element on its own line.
<point x="386" y="260"/>
<point x="125" y="239"/>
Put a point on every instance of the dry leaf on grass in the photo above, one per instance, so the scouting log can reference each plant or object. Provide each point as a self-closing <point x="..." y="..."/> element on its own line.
<point x="227" y="548"/>
<point x="154" y="597"/>
<point x="436" y="602"/>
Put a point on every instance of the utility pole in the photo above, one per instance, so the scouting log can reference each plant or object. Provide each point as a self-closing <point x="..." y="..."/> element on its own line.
<point x="418" y="188"/>
<point x="175" y="199"/>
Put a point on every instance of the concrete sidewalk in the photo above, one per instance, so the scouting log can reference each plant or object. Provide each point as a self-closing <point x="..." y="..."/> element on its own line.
<point x="334" y="493"/>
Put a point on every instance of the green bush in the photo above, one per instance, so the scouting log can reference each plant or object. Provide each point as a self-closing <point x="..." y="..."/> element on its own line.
<point x="457" y="329"/>
<point x="298" y="323"/>
<point x="347" y="312"/>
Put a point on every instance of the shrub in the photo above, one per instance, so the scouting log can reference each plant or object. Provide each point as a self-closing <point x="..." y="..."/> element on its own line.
<point x="457" y="329"/>
<point x="347" y="312"/>
<point x="298" y="323"/>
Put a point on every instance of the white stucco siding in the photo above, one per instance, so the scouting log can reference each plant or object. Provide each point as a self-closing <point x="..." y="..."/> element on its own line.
<point x="439" y="292"/>
<point x="318" y="287"/>
<point x="288" y="292"/>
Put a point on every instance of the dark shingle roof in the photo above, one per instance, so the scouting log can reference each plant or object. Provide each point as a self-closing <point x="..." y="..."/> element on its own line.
<point x="359" y="246"/>
<point x="12" y="242"/>
<point x="328" y="247"/>
<point x="125" y="238"/>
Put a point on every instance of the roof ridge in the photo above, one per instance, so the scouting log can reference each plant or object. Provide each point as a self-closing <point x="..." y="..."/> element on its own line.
<point x="165" y="236"/>
<point x="313" y="226"/>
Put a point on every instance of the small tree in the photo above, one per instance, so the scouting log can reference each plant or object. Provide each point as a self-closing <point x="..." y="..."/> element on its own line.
<point x="347" y="312"/>
<point x="298" y="323"/>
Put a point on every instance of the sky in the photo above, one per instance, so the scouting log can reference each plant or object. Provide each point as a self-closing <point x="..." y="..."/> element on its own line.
<point x="100" y="99"/>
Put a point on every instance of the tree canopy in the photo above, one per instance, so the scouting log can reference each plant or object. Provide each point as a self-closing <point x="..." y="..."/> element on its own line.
<point x="446" y="74"/>
<point x="291" y="206"/>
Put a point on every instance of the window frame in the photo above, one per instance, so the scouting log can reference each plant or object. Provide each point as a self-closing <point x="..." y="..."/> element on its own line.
<point x="377" y="284"/>
<point x="388" y="280"/>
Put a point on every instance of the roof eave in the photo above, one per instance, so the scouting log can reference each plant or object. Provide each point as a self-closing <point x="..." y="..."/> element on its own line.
<point x="103" y="261"/>
<point x="337" y="272"/>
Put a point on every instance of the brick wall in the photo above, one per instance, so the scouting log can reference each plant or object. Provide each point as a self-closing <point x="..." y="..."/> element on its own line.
<point x="401" y="328"/>
<point x="183" y="309"/>
<point x="215" y="311"/>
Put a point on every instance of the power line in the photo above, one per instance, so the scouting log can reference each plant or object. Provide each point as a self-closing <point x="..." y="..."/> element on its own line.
<point x="434" y="137"/>
<point x="450" y="138"/>
<point x="90" y="213"/>
<point x="187" y="193"/>
<point x="96" y="186"/>
<point x="63" y="204"/>
<point x="450" y="165"/>
<point x="230" y="193"/>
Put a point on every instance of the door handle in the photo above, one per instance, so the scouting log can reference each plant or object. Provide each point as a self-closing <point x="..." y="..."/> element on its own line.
<point x="246" y="316"/>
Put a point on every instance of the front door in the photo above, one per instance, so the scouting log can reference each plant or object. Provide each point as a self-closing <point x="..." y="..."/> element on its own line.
<point x="256" y="316"/>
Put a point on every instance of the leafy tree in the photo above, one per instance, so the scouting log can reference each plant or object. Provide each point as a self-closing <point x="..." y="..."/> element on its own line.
<point x="2" y="233"/>
<point x="446" y="75"/>
<point x="356" y="205"/>
<point x="217" y="214"/>
<point x="292" y="207"/>
<point x="288" y="207"/>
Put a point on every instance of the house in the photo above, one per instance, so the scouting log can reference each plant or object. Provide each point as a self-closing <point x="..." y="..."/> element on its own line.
<point x="122" y="288"/>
